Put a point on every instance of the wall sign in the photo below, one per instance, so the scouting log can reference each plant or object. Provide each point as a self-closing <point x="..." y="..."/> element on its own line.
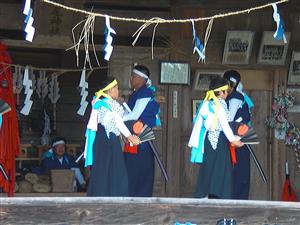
<point x="273" y="51"/>
<point x="238" y="47"/>
<point x="174" y="73"/>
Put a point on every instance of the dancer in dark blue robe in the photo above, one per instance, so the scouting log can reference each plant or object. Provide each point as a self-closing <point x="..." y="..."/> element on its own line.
<point x="143" y="107"/>
<point x="239" y="103"/>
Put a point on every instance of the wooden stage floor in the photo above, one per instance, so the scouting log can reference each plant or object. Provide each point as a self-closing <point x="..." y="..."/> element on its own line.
<point x="87" y="210"/>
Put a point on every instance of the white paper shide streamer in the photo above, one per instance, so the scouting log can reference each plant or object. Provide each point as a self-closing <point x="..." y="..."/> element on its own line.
<point x="18" y="82"/>
<point x="27" y="83"/>
<point x="54" y="95"/>
<point x="83" y="92"/>
<point x="45" y="140"/>
<point x="108" y="48"/>
<point x="29" y="29"/>
<point x="42" y="86"/>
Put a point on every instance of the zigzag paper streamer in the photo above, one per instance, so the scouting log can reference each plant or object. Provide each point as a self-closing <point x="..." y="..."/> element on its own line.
<point x="108" y="48"/>
<point x="29" y="29"/>
<point x="28" y="91"/>
<point x="84" y="93"/>
<point x="198" y="46"/>
<point x="279" y="33"/>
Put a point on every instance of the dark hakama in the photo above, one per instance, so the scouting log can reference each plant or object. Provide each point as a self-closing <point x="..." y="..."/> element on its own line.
<point x="241" y="171"/>
<point x="241" y="174"/>
<point x="215" y="173"/>
<point x="140" y="169"/>
<point x="108" y="174"/>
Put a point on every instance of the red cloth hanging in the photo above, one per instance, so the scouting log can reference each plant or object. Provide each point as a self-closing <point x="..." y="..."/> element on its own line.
<point x="9" y="132"/>
<point x="288" y="193"/>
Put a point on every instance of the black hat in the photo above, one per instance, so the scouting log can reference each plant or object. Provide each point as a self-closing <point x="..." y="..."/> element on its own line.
<point x="217" y="82"/>
<point x="232" y="76"/>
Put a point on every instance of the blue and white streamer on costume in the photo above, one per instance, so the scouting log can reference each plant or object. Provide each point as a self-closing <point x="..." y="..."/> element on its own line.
<point x="29" y="29"/>
<point x="279" y="33"/>
<point x="197" y="153"/>
<point x="90" y="135"/>
<point x="0" y="121"/>
<point x="108" y="48"/>
<point x="198" y="46"/>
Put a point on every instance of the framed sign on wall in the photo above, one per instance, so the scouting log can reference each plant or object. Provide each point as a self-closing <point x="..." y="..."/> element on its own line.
<point x="174" y="72"/>
<point x="203" y="78"/>
<point x="273" y="51"/>
<point x="294" y="72"/>
<point x="238" y="47"/>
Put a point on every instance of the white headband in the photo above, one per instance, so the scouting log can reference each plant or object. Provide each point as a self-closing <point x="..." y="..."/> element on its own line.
<point x="58" y="143"/>
<point x="233" y="79"/>
<point x="141" y="74"/>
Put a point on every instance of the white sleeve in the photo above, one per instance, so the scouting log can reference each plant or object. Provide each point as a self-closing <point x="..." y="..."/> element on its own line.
<point x="78" y="176"/>
<point x="137" y="110"/>
<point x="93" y="121"/>
<point x="120" y="125"/>
<point x="234" y="105"/>
<point x="225" y="125"/>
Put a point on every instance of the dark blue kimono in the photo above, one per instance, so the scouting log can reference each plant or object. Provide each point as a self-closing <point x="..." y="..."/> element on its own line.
<point x="140" y="166"/>
<point x="52" y="162"/>
<point x="241" y="171"/>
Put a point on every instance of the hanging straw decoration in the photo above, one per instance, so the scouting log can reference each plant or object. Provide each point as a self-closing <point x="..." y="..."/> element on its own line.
<point x="18" y="82"/>
<point x="160" y="20"/>
<point x="32" y="77"/>
<point x="54" y="95"/>
<point x="85" y="35"/>
<point x="42" y="86"/>
<point x="45" y="140"/>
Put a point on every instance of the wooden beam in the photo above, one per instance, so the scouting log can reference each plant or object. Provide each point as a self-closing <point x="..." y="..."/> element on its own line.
<point x="82" y="210"/>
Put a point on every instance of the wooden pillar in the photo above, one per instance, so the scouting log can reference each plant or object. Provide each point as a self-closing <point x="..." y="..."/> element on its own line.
<point x="180" y="50"/>
<point x="278" y="149"/>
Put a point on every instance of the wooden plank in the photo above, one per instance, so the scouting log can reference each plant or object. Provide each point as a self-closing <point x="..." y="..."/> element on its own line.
<point x="262" y="103"/>
<point x="82" y="210"/>
<point x="257" y="79"/>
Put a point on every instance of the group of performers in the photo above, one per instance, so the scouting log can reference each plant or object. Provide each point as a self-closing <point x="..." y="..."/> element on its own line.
<point x="212" y="138"/>
<point x="118" y="173"/>
<point x="114" y="173"/>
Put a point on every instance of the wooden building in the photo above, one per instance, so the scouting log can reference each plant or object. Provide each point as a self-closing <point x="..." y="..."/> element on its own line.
<point x="173" y="42"/>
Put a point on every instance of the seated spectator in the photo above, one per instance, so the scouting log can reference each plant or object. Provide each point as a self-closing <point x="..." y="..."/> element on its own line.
<point x="57" y="158"/>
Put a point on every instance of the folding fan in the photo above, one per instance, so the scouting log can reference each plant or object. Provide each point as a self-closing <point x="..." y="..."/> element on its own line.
<point x="247" y="134"/>
<point x="144" y="132"/>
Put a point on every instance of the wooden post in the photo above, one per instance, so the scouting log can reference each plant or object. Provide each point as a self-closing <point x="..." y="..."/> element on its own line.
<point x="278" y="150"/>
<point x="180" y="50"/>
